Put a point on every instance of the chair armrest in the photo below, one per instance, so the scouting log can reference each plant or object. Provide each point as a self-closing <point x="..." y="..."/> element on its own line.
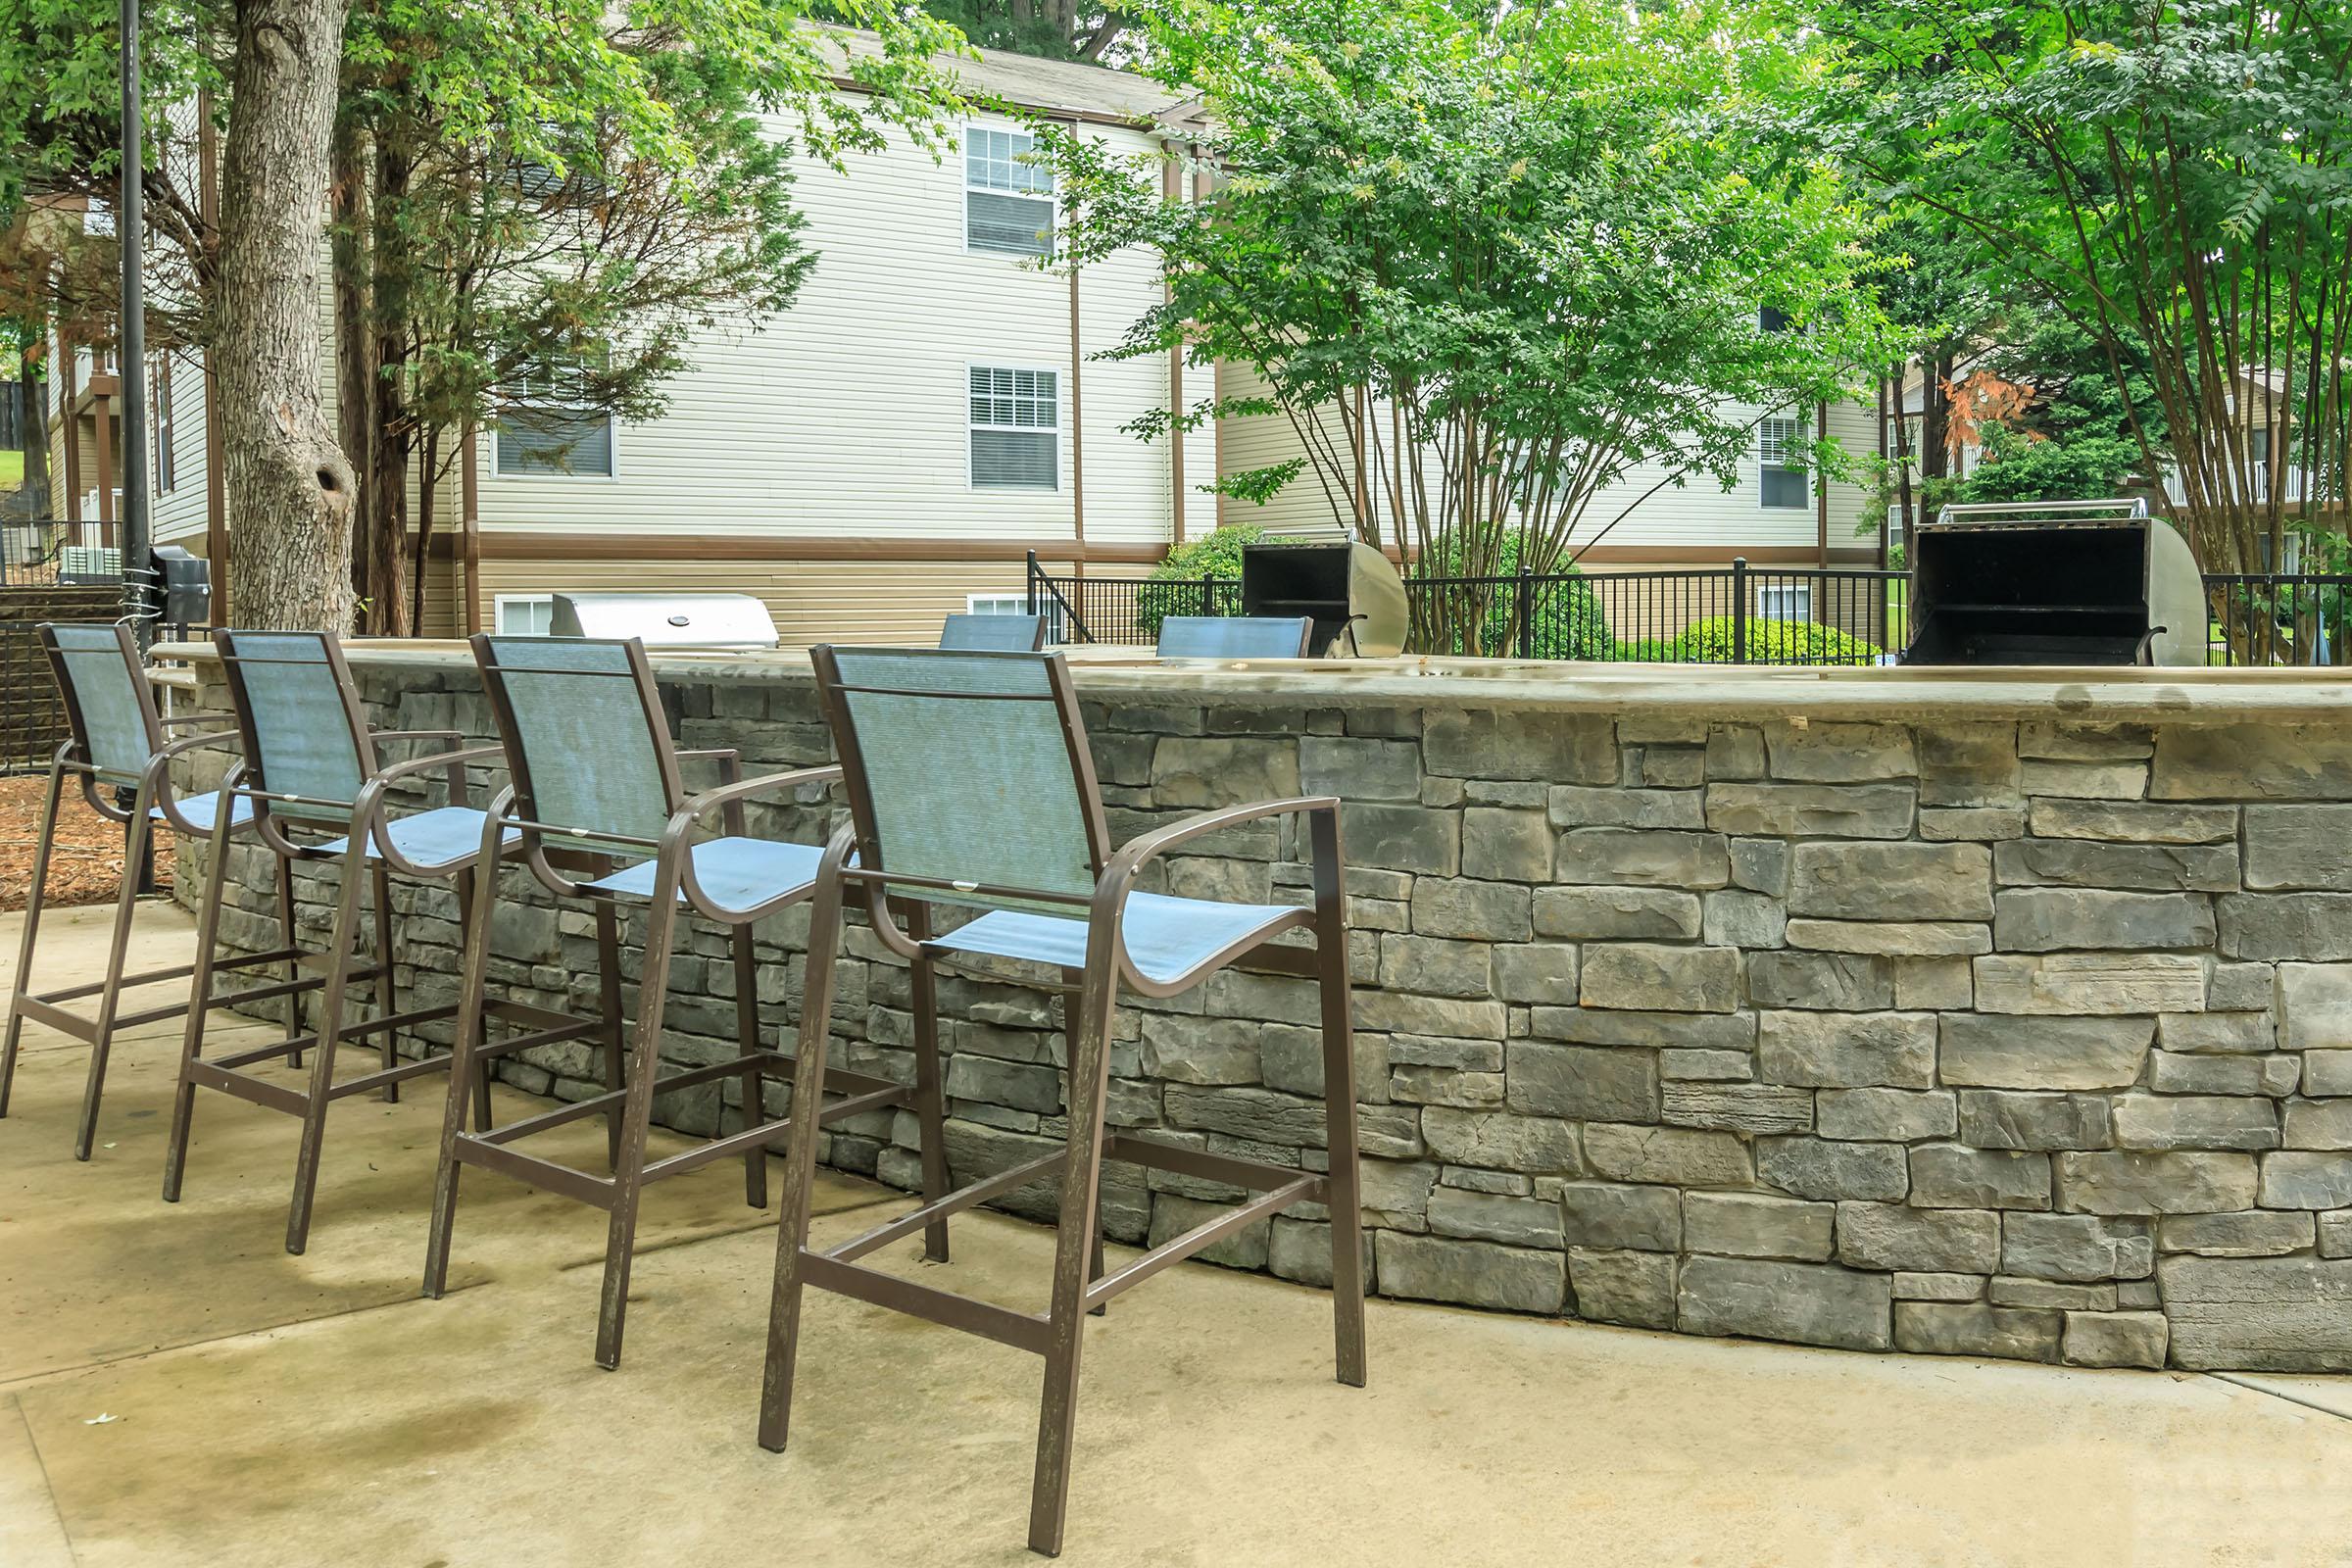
<point x="451" y="736"/>
<point x="1135" y="854"/>
<point x="160" y="792"/>
<point x="730" y="798"/>
<point x="1119" y="873"/>
<point x="199" y="715"/>
<point x="367" y="812"/>
<point x="730" y="771"/>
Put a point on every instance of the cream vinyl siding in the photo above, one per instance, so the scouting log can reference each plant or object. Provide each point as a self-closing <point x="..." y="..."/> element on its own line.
<point x="178" y="517"/>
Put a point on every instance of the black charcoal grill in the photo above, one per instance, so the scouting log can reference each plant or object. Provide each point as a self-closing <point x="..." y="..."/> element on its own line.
<point x="2076" y="582"/>
<point x="1350" y="589"/>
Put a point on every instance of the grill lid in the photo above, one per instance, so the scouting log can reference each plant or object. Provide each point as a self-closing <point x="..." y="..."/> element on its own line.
<point x="1350" y="589"/>
<point x="713" y="623"/>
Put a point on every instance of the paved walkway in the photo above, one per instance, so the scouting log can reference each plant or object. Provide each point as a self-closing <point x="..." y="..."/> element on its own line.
<point x="176" y="1391"/>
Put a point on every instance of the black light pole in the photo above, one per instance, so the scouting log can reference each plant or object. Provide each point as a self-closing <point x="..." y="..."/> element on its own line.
<point x="131" y="223"/>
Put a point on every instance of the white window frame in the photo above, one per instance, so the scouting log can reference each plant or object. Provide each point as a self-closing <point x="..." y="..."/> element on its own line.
<point x="1798" y="437"/>
<point x="500" y="603"/>
<point x="970" y="482"/>
<point x="560" y="475"/>
<point x="972" y="603"/>
<point x="1051" y="196"/>
<point x="1797" y="594"/>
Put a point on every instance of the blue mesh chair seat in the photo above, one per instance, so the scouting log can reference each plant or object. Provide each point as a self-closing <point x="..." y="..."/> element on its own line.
<point x="1004" y="633"/>
<point x="1235" y="636"/>
<point x="120" y="759"/>
<point x="311" y="767"/>
<point x="971" y="788"/>
<point x="606" y="818"/>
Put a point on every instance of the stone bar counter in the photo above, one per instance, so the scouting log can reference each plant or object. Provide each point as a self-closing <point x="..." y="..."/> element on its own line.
<point x="2001" y="1013"/>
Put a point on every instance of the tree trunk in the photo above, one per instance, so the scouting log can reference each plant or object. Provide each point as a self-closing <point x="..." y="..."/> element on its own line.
<point x="289" y="484"/>
<point x="390" y="438"/>
<point x="428" y="479"/>
<point x="37" y="438"/>
<point x="1935" y="426"/>
<point x="355" y="342"/>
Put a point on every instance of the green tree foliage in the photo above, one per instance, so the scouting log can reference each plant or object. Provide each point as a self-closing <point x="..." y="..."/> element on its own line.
<point x="1491" y="258"/>
<point x="1056" y="29"/>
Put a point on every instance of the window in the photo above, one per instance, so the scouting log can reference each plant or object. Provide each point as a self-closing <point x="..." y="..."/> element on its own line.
<point x="1785" y="602"/>
<point x="1779" y="452"/>
<point x="1016" y="428"/>
<point x="160" y="377"/>
<point x="548" y="431"/>
<point x="1007" y="204"/>
<point x="1016" y="604"/>
<point x="1771" y="318"/>
<point x="522" y="615"/>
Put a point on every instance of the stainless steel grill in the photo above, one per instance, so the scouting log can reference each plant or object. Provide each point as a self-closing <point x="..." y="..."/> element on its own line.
<point x="2070" y="582"/>
<point x="1350" y="589"/>
<point x="733" y="624"/>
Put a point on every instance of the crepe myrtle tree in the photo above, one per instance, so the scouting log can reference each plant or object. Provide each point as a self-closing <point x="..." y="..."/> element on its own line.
<point x="1487" y="262"/>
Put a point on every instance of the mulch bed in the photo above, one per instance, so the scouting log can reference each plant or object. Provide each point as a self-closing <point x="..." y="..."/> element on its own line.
<point x="86" y="864"/>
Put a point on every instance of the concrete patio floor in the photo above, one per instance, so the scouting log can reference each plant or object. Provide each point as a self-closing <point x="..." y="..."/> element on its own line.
<point x="176" y="1390"/>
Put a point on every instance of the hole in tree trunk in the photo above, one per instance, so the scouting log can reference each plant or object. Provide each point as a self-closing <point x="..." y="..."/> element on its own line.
<point x="328" y="481"/>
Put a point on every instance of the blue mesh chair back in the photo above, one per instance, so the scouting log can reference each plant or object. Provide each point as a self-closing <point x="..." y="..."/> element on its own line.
<point x="585" y="738"/>
<point x="109" y="706"/>
<point x="966" y="768"/>
<point x="1011" y="634"/>
<point x="303" y="731"/>
<point x="1235" y="636"/>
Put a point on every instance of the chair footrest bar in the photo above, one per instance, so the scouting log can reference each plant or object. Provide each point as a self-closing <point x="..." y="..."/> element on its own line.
<point x="955" y="1203"/>
<point x="761" y="1137"/>
<point x="41" y="1010"/>
<point x="1239" y="1218"/>
<point x="260" y="1090"/>
<point x="439" y="1061"/>
<point x="545" y="1174"/>
<point x="1023" y="1331"/>
<point x="1250" y="1175"/>
<point x="276" y="988"/>
<point x="178" y="971"/>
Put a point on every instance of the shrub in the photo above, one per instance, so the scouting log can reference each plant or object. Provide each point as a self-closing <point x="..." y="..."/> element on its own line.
<point x="1651" y="650"/>
<point x="1771" y="642"/>
<point x="1216" y="554"/>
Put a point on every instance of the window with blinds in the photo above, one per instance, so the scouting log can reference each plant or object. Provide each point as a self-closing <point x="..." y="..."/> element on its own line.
<point x="1780" y="455"/>
<point x="1015" y="428"/>
<point x="1008" y="203"/>
<point x="546" y="431"/>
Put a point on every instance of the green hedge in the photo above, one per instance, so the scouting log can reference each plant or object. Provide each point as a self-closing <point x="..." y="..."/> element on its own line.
<point x="1769" y="642"/>
<point x="1216" y="554"/>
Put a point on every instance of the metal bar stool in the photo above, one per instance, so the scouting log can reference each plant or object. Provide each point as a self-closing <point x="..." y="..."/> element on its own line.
<point x="310" y="766"/>
<point x="118" y="742"/>
<point x="1008" y="633"/>
<point x="970" y="787"/>
<point x="597" y="793"/>
<point x="1236" y="636"/>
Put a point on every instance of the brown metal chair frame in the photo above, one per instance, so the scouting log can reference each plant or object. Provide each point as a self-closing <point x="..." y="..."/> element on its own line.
<point x="154" y="793"/>
<point x="368" y="822"/>
<point x="627" y="1101"/>
<point x="1080" y="1286"/>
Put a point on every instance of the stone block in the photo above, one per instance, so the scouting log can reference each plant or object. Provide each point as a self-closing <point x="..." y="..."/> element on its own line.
<point x="1627" y="857"/>
<point x="1925" y="1287"/>
<point x="1744" y="1107"/>
<point x="1818" y="1168"/>
<point x="1402" y="837"/>
<point x="1402" y="1012"/>
<point x="1847" y="1049"/>
<point x="2217" y="1032"/>
<point x="2116" y="1339"/>
<point x="1444" y="1086"/>
<point x="1193" y="1049"/>
<point x="1634" y="1289"/>
<point x="1650" y="977"/>
<point x="1807" y="1303"/>
<point x="1840" y="752"/>
<point x="1493" y="1218"/>
<point x="1834" y="981"/>
<point x="1301" y="1251"/>
<point x="2090" y="982"/>
<point x="1674" y="767"/>
<point x="2315" y="1007"/>
<point x="2054" y="920"/>
<point x="1519" y="744"/>
<point x="2195" y="1121"/>
<point x="1435" y="1051"/>
<point x="1614" y="1216"/>
<point x="1738" y="918"/>
<point x="1937" y="985"/>
<point x="1760" y="865"/>
<point x="2252" y="762"/>
<point x="2263" y="1315"/>
<point x="1505" y="845"/>
<point x="2319" y="1124"/>
<point x="1535" y="972"/>
<point x="1395" y="1193"/>
<point x="1811" y="810"/>
<point x="2336" y="1234"/>
<point x="1436" y="967"/>
<point x="1892" y="1236"/>
<point x="1005" y="1083"/>
<point x="1605" y="912"/>
<point x="1967" y="764"/>
<point x="1887" y="1115"/>
<point x="1656" y="1031"/>
<point x="1755" y="1225"/>
<point x="1512" y="1279"/>
<point x="1943" y="1328"/>
<point x="2076" y="1246"/>
<point x="1706" y="1066"/>
<point x="2171" y="1073"/>
<point x="1951" y="1176"/>
<point x="2171" y="1181"/>
<point x="1912" y="882"/>
<point x="1735" y="750"/>
<point x="1679" y="1156"/>
<point x="2299" y="846"/>
<point x="1502" y="1140"/>
<point x="1259" y="1115"/>
<point x="2103" y="781"/>
<point x="2252" y="1233"/>
<point x="1573" y="806"/>
<point x="2088" y="863"/>
<point x="1291" y="1059"/>
<point x="2300" y="1180"/>
<point x="2328" y="1072"/>
<point x="1195" y="772"/>
<point x="1893" y="939"/>
<point x="2131" y="822"/>
<point x="2064" y="742"/>
<point x="1360" y="770"/>
<point x="1583" y="1083"/>
<point x="1993" y="1052"/>
<point x="1481" y="911"/>
<point x="1974" y="824"/>
<point x="2314" y="926"/>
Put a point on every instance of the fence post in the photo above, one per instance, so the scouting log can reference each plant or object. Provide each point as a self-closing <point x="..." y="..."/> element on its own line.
<point x="1526" y="611"/>
<point x="1738" y="609"/>
<point x="1208" y="593"/>
<point x="1030" y="584"/>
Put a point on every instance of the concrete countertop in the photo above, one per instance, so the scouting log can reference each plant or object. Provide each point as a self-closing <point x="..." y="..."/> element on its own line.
<point x="1712" y="691"/>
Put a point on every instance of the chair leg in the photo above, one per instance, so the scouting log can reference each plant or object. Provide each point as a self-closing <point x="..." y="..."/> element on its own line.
<point x="620" y="1237"/>
<point x="382" y="992"/>
<point x="200" y="1000"/>
<point x="477" y="892"/>
<point x="34" y="898"/>
<point x="340" y="956"/>
<point x="470" y="920"/>
<point x="1339" y="1103"/>
<point x="800" y="1156"/>
<point x="930" y="1119"/>
<point x="1077" y="1234"/>
<point x="285" y="939"/>
<point x="612" y="1034"/>
<point x="109" y="996"/>
<point x="747" y="1037"/>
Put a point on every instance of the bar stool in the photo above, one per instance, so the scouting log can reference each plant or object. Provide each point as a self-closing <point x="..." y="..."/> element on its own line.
<point x="597" y="793"/>
<point x="311" y="766"/>
<point x="1236" y="637"/>
<point x="117" y="741"/>
<point x="971" y="788"/>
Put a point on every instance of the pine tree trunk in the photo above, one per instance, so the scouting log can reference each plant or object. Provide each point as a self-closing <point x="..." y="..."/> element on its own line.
<point x="289" y="484"/>
<point x="390" y="439"/>
<point x="355" y="342"/>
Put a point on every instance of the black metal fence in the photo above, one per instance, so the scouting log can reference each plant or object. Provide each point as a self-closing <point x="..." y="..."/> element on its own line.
<point x="1736" y="614"/>
<point x="33" y="553"/>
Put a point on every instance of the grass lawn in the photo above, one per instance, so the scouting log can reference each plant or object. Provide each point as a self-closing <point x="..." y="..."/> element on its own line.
<point x="12" y="470"/>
